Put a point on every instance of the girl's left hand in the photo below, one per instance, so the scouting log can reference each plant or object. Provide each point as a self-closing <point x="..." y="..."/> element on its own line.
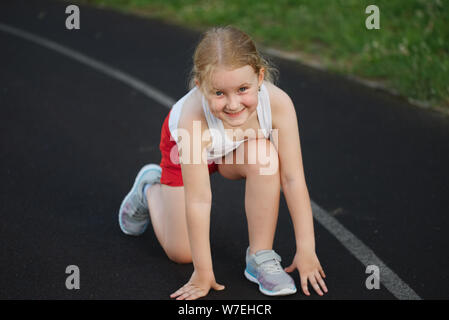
<point x="309" y="270"/>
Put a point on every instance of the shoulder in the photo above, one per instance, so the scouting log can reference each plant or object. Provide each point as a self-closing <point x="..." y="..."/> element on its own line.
<point x="281" y="105"/>
<point x="192" y="112"/>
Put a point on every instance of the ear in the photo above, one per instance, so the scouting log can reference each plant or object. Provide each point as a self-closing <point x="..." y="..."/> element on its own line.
<point x="199" y="87"/>
<point x="261" y="76"/>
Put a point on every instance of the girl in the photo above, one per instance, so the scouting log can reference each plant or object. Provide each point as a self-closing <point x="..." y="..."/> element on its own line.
<point x="234" y="120"/>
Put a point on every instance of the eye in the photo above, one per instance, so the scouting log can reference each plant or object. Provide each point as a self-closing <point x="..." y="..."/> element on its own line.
<point x="217" y="93"/>
<point x="244" y="89"/>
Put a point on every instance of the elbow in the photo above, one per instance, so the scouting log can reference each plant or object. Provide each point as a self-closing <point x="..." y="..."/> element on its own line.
<point x="205" y="199"/>
<point x="287" y="180"/>
<point x="197" y="195"/>
<point x="293" y="183"/>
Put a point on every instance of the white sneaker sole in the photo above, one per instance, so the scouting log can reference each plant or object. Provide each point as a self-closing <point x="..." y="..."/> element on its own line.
<point x="283" y="292"/>
<point x="136" y="183"/>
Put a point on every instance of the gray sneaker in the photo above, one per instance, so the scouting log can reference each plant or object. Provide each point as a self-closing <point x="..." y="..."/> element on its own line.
<point x="134" y="216"/>
<point x="264" y="268"/>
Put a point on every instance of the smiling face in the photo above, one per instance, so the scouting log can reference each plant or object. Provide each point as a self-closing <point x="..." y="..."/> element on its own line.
<point x="233" y="94"/>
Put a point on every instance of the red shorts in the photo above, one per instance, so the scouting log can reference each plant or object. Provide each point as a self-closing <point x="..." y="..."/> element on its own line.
<point x="171" y="170"/>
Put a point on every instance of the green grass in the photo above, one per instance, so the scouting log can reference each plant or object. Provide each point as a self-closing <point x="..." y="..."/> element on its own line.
<point x="410" y="52"/>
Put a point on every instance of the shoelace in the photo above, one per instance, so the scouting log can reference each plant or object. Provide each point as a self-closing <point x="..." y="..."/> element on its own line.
<point x="272" y="266"/>
<point x="139" y="210"/>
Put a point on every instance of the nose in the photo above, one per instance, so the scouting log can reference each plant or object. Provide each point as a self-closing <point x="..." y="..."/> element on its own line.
<point x="233" y="103"/>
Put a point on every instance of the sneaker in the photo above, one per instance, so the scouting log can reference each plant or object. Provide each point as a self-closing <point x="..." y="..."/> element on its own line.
<point x="134" y="216"/>
<point x="264" y="268"/>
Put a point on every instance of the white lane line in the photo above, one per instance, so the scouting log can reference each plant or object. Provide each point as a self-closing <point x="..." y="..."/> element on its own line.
<point x="134" y="83"/>
<point x="363" y="253"/>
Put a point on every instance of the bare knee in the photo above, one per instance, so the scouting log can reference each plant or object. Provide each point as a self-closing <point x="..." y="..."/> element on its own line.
<point x="178" y="255"/>
<point x="263" y="158"/>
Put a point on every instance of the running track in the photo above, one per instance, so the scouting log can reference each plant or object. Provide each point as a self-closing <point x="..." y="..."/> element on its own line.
<point x="82" y="112"/>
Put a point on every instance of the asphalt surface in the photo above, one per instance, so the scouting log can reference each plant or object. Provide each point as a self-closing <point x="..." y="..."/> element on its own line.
<point x="73" y="139"/>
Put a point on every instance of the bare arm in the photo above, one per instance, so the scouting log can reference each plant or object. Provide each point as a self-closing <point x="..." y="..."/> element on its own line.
<point x="287" y="142"/>
<point x="198" y="200"/>
<point x="296" y="194"/>
<point x="198" y="205"/>
<point x="198" y="195"/>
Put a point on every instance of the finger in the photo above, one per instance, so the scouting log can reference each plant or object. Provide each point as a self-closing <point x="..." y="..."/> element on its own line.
<point x="304" y="285"/>
<point x="192" y="294"/>
<point x="187" y="293"/>
<point x="175" y="294"/>
<point x="218" y="287"/>
<point x="314" y="284"/>
<point x="322" y="273"/>
<point x="196" y="294"/>
<point x="290" y="268"/>
<point x="320" y="281"/>
<point x="183" y="296"/>
<point x="180" y="291"/>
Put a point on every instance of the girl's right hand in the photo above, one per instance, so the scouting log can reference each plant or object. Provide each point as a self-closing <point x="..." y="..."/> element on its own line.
<point x="197" y="287"/>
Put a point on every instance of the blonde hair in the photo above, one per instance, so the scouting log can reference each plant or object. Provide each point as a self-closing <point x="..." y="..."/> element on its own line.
<point x="227" y="47"/>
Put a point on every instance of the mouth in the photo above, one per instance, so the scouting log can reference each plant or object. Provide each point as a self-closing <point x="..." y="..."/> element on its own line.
<point x="235" y="114"/>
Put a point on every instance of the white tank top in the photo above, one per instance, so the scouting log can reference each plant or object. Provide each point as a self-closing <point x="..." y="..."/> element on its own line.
<point x="221" y="144"/>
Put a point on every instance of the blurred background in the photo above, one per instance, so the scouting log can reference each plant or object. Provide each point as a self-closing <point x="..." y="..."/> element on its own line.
<point x="408" y="55"/>
<point x="83" y="113"/>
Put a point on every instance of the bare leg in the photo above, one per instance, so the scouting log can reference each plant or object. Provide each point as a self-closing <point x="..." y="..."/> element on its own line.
<point x="261" y="215"/>
<point x="167" y="212"/>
